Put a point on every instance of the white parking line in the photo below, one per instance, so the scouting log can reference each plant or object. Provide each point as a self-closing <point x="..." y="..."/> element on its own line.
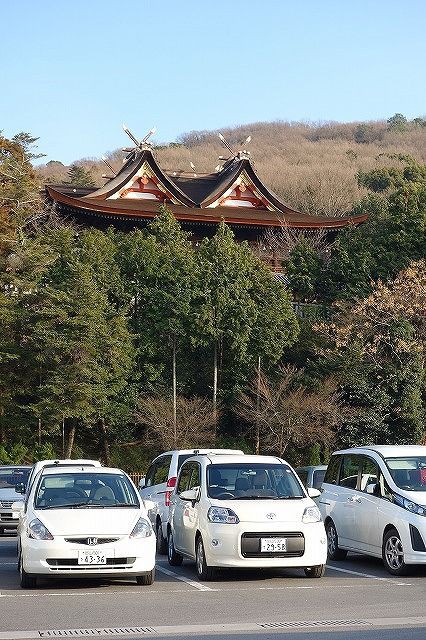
<point x="196" y="585"/>
<point x="368" y="575"/>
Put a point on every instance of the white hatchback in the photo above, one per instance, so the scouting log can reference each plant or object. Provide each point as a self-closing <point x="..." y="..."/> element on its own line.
<point x="85" y="522"/>
<point x="243" y="511"/>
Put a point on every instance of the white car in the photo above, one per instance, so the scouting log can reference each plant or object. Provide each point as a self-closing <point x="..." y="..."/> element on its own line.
<point x="159" y="483"/>
<point x="10" y="477"/>
<point x="85" y="521"/>
<point x="25" y="487"/>
<point x="244" y="511"/>
<point x="373" y="501"/>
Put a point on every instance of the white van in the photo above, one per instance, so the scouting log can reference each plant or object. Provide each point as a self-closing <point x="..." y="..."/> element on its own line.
<point x="159" y="483"/>
<point x="374" y="502"/>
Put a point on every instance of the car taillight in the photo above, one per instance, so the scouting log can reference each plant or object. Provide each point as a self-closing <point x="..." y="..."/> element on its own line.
<point x="171" y="483"/>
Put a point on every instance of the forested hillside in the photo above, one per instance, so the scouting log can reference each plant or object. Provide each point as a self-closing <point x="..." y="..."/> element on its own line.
<point x="312" y="167"/>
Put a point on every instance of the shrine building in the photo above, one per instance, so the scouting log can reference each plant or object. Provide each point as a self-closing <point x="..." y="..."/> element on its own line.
<point x="233" y="193"/>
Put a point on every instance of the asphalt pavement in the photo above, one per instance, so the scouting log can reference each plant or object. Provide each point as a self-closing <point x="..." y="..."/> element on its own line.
<point x="356" y="600"/>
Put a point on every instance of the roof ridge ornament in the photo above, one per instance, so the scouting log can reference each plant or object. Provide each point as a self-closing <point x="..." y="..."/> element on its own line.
<point x="140" y="145"/>
<point x="242" y="154"/>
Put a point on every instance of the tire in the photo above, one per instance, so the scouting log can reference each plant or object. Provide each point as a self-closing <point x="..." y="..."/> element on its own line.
<point x="393" y="554"/>
<point x="333" y="550"/>
<point x="315" y="572"/>
<point x="146" y="578"/>
<point x="161" y="544"/>
<point x="27" y="580"/>
<point x="175" y="559"/>
<point x="204" y="572"/>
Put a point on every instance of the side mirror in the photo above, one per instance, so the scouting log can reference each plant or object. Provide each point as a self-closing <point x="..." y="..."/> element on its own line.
<point x="20" y="488"/>
<point x="313" y="493"/>
<point x="373" y="489"/>
<point x="190" y="494"/>
<point x="149" y="505"/>
<point x="141" y="483"/>
<point x="17" y="508"/>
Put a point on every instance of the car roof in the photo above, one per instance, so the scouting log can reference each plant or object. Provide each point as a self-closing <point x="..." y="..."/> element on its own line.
<point x="15" y="466"/>
<point x="81" y="469"/>
<point x="314" y="467"/>
<point x="240" y="458"/>
<point x="202" y="451"/>
<point x="389" y="450"/>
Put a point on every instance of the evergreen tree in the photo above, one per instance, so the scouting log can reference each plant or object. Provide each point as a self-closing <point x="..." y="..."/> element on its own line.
<point x="79" y="176"/>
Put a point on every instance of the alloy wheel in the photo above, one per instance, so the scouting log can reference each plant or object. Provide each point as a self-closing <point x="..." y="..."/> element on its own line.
<point x="394" y="553"/>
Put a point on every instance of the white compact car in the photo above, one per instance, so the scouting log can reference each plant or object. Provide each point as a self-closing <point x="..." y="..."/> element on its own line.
<point x="244" y="511"/>
<point x="373" y="501"/>
<point x="10" y="477"/>
<point x="159" y="483"/>
<point x="85" y="521"/>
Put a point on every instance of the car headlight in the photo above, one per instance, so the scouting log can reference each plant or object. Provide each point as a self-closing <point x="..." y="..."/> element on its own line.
<point x="38" y="531"/>
<point x="409" y="505"/>
<point x="142" y="529"/>
<point x="311" y="514"/>
<point x="222" y="515"/>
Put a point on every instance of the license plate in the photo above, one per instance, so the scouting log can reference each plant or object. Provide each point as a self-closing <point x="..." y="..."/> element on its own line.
<point x="271" y="545"/>
<point x="91" y="557"/>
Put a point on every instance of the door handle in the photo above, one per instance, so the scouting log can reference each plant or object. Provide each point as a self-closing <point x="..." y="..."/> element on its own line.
<point x="354" y="499"/>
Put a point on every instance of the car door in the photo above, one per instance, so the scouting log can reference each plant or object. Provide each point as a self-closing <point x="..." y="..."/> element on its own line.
<point x="179" y="505"/>
<point x="365" y="508"/>
<point x="347" y="498"/>
<point x="186" y="515"/>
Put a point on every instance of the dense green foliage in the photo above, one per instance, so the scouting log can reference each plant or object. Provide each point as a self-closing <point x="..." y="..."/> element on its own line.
<point x="105" y="336"/>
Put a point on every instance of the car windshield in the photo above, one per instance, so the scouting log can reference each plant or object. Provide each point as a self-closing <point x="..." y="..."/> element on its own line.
<point x="408" y="473"/>
<point x="246" y="481"/>
<point x="85" y="490"/>
<point x="318" y="478"/>
<point x="11" y="476"/>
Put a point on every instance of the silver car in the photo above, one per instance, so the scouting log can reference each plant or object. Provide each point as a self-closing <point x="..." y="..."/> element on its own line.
<point x="10" y="477"/>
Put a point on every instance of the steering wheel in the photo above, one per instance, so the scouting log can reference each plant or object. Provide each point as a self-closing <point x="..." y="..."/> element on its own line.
<point x="224" y="495"/>
<point x="75" y="493"/>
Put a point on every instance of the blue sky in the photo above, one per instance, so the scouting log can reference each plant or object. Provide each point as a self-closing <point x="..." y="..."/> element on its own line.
<point x="73" y="71"/>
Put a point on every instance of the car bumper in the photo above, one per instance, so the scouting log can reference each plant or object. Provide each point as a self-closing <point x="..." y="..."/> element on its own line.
<point x="58" y="557"/>
<point x="8" y="519"/>
<point x="227" y="545"/>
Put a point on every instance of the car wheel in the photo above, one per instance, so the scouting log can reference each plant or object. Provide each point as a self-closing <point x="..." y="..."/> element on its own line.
<point x="27" y="580"/>
<point x="146" y="578"/>
<point x="204" y="572"/>
<point x="333" y="549"/>
<point x="315" y="572"/>
<point x="175" y="559"/>
<point x="161" y="541"/>
<point x="393" y="553"/>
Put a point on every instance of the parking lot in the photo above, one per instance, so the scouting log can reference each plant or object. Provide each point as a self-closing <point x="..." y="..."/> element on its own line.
<point x="356" y="594"/>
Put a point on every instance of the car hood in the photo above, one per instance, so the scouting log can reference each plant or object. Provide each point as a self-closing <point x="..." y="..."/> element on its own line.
<point x="95" y="522"/>
<point x="10" y="494"/>
<point x="267" y="510"/>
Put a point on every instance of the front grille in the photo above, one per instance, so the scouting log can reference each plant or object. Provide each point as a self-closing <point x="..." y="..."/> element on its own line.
<point x="85" y="540"/>
<point x="250" y="544"/>
<point x="72" y="563"/>
<point x="6" y="504"/>
<point x="7" y="517"/>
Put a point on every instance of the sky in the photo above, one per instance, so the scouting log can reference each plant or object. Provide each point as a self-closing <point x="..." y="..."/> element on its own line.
<point x="72" y="71"/>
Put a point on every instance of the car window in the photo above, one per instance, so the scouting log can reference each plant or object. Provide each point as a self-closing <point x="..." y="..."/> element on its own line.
<point x="195" y="479"/>
<point x="332" y="473"/>
<point x="11" y="476"/>
<point x="149" y="478"/>
<point x="349" y="471"/>
<point x="303" y="475"/>
<point x="369" y="473"/>
<point x="182" y="458"/>
<point x="184" y="478"/>
<point x="251" y="481"/>
<point x="318" y="478"/>
<point x="162" y="467"/>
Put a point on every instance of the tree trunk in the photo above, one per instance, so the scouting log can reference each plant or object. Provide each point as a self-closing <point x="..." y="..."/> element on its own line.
<point x="174" y="394"/>
<point x="214" y="399"/>
<point x="105" y="444"/>
<point x="257" y="443"/>
<point x="70" y="441"/>
<point x="2" y="428"/>
<point x="39" y="431"/>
